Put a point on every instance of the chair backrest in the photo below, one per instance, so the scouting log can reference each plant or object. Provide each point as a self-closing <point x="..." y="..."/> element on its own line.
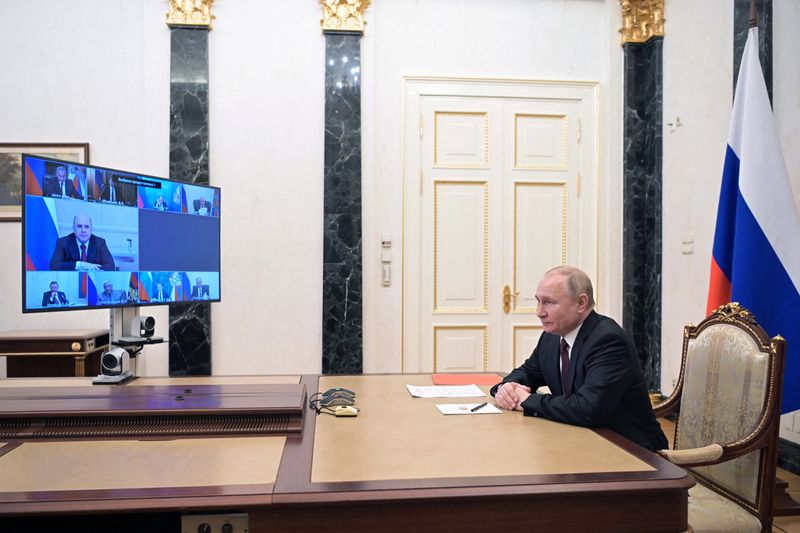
<point x="730" y="390"/>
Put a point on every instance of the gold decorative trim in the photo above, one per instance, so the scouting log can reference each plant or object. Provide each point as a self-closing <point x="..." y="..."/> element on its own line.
<point x="517" y="186"/>
<point x="343" y="15"/>
<point x="477" y="327"/>
<point x="485" y="163"/>
<point x="564" y="143"/>
<point x="460" y="310"/>
<point x="641" y="20"/>
<point x="194" y="13"/>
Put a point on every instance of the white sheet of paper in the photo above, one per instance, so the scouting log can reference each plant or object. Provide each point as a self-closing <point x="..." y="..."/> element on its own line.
<point x="445" y="391"/>
<point x="465" y="409"/>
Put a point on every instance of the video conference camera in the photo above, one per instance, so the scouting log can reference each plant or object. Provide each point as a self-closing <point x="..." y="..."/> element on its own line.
<point x="115" y="362"/>
<point x="143" y="326"/>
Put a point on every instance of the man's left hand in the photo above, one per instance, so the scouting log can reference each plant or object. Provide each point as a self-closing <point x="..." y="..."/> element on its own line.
<point x="522" y="394"/>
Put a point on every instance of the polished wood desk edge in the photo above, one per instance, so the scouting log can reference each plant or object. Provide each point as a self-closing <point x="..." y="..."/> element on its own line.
<point x="165" y="499"/>
<point x="39" y="334"/>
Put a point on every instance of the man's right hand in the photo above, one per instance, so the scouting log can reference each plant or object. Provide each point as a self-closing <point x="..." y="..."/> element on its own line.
<point x="83" y="265"/>
<point x="506" y="395"/>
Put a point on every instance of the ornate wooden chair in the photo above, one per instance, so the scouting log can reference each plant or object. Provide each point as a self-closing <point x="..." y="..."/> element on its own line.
<point x="726" y="434"/>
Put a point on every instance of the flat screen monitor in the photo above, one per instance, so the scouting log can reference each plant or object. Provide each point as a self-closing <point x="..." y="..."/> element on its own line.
<point x="95" y="237"/>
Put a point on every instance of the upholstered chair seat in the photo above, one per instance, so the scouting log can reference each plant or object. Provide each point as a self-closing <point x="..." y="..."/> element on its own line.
<point x="710" y="512"/>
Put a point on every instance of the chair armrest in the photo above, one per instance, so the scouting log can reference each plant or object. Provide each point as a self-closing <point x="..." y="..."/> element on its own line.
<point x="692" y="456"/>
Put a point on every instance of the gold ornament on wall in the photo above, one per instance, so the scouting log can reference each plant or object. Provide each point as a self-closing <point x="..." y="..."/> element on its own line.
<point x="344" y="15"/>
<point x="641" y="20"/>
<point x="190" y="13"/>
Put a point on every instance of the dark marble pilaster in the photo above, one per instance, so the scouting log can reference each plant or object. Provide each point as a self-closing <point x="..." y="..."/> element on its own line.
<point x="741" y="26"/>
<point x="642" y="215"/>
<point x="342" y="348"/>
<point x="190" y="323"/>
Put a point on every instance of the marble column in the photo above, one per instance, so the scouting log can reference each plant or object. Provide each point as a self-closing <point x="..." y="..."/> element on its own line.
<point x="189" y="323"/>
<point x="642" y="210"/>
<point x="342" y="348"/>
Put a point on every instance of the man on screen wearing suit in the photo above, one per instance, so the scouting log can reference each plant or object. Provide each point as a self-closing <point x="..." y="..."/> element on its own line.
<point x="110" y="296"/>
<point x="160" y="294"/>
<point x="54" y="296"/>
<point x="60" y="187"/>
<point x="201" y="207"/>
<point x="589" y="363"/>
<point x="81" y="250"/>
<point x="199" y="291"/>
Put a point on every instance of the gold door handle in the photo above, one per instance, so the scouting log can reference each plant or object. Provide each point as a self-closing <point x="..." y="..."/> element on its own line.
<point x="507" y="295"/>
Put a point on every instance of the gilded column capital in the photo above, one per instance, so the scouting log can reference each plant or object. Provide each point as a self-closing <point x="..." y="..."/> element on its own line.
<point x="641" y="20"/>
<point x="195" y="13"/>
<point x="343" y="15"/>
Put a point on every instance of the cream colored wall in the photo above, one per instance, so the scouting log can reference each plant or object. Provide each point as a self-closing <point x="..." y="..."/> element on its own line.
<point x="82" y="72"/>
<point x="699" y="92"/>
<point x="561" y="40"/>
<point x="786" y="104"/>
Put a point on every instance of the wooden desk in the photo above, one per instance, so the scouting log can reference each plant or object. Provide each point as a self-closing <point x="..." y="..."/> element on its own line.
<point x="398" y="466"/>
<point x="43" y="353"/>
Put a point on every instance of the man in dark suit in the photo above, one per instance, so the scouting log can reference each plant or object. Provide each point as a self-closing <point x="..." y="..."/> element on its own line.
<point x="201" y="207"/>
<point x="160" y="294"/>
<point x="110" y="296"/>
<point x="589" y="363"/>
<point x="81" y="250"/>
<point x="54" y="296"/>
<point x="60" y="187"/>
<point x="199" y="291"/>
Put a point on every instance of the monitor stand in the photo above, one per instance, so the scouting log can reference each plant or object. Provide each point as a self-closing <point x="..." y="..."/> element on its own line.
<point x="137" y="341"/>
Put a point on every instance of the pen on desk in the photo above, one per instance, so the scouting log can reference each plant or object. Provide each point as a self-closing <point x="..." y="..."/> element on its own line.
<point x="478" y="407"/>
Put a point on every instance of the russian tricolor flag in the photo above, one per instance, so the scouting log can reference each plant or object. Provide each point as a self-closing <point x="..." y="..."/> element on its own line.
<point x="756" y="257"/>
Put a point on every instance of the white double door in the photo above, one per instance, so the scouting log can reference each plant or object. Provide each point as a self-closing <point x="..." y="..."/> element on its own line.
<point x="500" y="187"/>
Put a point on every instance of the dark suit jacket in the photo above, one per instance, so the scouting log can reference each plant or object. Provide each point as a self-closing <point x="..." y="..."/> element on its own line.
<point x="200" y="295"/>
<point x="67" y="253"/>
<point x="123" y="193"/>
<point x="62" y="299"/>
<point x="116" y="297"/>
<point x="197" y="207"/>
<point x="606" y="385"/>
<point x="53" y="188"/>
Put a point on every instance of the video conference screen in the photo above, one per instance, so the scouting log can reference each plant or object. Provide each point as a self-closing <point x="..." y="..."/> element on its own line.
<point x="96" y="237"/>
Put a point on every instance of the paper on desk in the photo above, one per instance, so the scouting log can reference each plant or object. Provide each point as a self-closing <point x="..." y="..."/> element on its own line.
<point x="439" y="391"/>
<point x="465" y="409"/>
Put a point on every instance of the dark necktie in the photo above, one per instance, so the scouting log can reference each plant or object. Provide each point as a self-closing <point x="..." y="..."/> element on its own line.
<point x="83" y="253"/>
<point x="564" y="365"/>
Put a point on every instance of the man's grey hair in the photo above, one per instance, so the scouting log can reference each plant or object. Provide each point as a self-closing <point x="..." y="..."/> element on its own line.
<point x="576" y="281"/>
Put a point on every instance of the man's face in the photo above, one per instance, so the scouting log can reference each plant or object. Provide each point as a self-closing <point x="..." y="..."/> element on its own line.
<point x="160" y="287"/>
<point x="108" y="287"/>
<point x="82" y="227"/>
<point x="61" y="174"/>
<point x="559" y="313"/>
<point x="54" y="287"/>
<point x="198" y="282"/>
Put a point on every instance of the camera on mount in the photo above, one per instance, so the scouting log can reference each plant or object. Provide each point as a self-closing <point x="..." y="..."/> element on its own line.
<point x="115" y="367"/>
<point x="143" y="326"/>
<point x="115" y="362"/>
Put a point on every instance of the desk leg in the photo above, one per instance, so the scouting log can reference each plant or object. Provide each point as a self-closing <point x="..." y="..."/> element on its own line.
<point x="80" y="366"/>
